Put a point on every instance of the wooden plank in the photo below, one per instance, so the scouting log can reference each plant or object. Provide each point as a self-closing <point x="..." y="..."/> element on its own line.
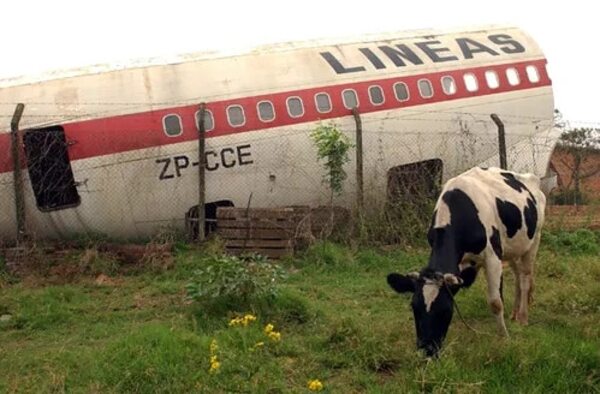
<point x="229" y="233"/>
<point x="270" y="231"/>
<point x="262" y="213"/>
<point x="258" y="224"/>
<point x="259" y="243"/>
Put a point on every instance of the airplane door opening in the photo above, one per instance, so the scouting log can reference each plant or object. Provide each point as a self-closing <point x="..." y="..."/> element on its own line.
<point x="210" y="217"/>
<point x="50" y="170"/>
<point x="414" y="183"/>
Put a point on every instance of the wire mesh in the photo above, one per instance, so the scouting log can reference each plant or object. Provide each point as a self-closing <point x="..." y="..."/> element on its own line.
<point x="137" y="193"/>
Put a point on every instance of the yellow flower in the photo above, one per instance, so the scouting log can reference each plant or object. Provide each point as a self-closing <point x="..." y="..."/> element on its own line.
<point x="213" y="359"/>
<point x="315" y="385"/>
<point x="213" y="346"/>
<point x="242" y="321"/>
<point x="248" y="319"/>
<point x="274" y="336"/>
<point x="214" y="366"/>
<point x="259" y="344"/>
<point x="268" y="328"/>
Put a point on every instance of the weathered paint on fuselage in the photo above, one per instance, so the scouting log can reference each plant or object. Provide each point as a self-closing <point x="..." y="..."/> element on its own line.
<point x="133" y="178"/>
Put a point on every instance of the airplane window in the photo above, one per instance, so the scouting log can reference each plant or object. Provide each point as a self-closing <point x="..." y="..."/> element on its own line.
<point x="235" y="115"/>
<point x="401" y="91"/>
<point x="209" y="121"/>
<point x="350" y="99"/>
<point x="471" y="82"/>
<point x="532" y="74"/>
<point x="492" y="79"/>
<point x="323" y="102"/>
<point x="266" y="112"/>
<point x="376" y="95"/>
<point x="295" y="107"/>
<point x="448" y="85"/>
<point x="172" y="125"/>
<point x="513" y="76"/>
<point x="425" y="88"/>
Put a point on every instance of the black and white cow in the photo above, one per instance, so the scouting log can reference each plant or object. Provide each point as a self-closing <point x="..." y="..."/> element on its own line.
<point x="482" y="217"/>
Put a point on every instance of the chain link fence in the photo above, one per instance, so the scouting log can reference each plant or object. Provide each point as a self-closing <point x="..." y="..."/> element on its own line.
<point x="138" y="193"/>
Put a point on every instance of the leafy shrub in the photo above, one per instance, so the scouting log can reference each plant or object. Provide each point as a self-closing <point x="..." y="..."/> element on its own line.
<point x="332" y="146"/>
<point x="235" y="278"/>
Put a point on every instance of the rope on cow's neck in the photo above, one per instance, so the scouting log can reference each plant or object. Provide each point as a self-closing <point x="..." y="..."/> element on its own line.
<point x="460" y="314"/>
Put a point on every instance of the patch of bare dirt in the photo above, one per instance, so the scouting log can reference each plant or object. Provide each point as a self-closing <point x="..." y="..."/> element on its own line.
<point x="58" y="263"/>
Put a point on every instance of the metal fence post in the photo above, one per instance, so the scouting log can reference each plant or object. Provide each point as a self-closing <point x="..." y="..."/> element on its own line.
<point x="501" y="140"/>
<point x="201" y="172"/>
<point x="16" y="143"/>
<point x="359" y="161"/>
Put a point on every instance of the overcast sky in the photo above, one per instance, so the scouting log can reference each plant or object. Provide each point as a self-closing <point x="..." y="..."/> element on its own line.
<point x="39" y="36"/>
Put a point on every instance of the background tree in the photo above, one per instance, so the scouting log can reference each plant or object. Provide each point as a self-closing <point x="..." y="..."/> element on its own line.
<point x="580" y="143"/>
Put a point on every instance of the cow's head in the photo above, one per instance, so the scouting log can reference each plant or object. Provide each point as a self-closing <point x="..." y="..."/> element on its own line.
<point x="432" y="302"/>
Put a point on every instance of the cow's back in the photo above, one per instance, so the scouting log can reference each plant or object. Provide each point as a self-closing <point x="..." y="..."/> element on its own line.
<point x="511" y="203"/>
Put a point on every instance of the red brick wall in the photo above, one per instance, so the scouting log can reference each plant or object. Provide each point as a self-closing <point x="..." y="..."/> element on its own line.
<point x="560" y="162"/>
<point x="573" y="217"/>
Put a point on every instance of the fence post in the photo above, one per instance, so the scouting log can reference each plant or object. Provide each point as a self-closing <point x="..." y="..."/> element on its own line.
<point x="16" y="143"/>
<point x="201" y="172"/>
<point x="501" y="140"/>
<point x="359" y="161"/>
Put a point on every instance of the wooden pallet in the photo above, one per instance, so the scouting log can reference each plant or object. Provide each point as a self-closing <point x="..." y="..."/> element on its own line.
<point x="271" y="232"/>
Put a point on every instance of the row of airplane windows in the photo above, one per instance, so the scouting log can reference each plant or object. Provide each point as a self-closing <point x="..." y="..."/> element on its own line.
<point x="172" y="124"/>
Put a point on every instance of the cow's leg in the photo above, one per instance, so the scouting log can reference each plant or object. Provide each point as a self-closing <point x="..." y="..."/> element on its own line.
<point x="493" y="272"/>
<point x="526" y="281"/>
<point x="522" y="315"/>
<point x="517" y="301"/>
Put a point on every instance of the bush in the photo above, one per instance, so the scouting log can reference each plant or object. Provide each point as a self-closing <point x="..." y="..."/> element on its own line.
<point x="235" y="278"/>
<point x="332" y="147"/>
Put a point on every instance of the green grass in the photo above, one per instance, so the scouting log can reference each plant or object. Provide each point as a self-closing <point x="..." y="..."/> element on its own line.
<point x="339" y="322"/>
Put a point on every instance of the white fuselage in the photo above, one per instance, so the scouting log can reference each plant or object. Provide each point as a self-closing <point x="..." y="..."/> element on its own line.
<point x="134" y="176"/>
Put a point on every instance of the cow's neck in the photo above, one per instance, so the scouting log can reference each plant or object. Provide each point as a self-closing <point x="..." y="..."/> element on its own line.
<point x="445" y="254"/>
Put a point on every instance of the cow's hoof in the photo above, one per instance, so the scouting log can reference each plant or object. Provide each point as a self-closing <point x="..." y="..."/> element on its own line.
<point x="523" y="320"/>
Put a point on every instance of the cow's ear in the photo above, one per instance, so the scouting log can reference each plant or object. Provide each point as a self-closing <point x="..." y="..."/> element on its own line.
<point x="401" y="283"/>
<point x="452" y="280"/>
<point x="468" y="276"/>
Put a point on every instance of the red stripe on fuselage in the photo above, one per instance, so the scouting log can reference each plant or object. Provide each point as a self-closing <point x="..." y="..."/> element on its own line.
<point x="110" y="135"/>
